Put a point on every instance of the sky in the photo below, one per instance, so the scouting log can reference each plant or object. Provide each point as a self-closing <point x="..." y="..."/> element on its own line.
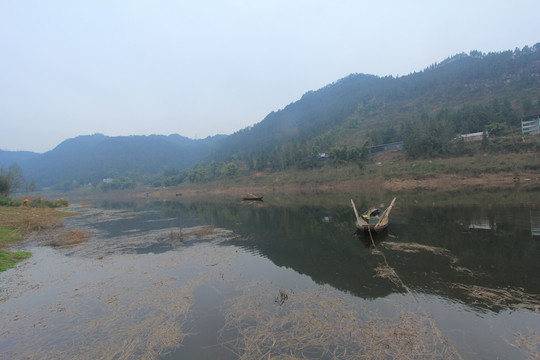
<point x="204" y="67"/>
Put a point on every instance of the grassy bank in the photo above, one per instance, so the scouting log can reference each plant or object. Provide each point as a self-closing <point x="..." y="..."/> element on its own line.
<point x="388" y="172"/>
<point x="18" y="219"/>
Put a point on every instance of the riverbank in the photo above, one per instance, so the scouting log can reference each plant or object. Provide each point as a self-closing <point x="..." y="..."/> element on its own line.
<point x="18" y="221"/>
<point x="388" y="172"/>
<point x="217" y="279"/>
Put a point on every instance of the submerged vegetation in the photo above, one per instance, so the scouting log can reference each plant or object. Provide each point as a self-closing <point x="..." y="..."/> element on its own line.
<point x="268" y="281"/>
<point x="325" y="325"/>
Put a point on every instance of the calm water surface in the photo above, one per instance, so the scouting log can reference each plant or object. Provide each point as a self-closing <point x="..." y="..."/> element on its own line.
<point x="227" y="280"/>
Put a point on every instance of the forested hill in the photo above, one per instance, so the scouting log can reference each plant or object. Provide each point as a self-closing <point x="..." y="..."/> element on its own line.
<point x="92" y="158"/>
<point x="8" y="158"/>
<point x="473" y="92"/>
<point x="503" y="86"/>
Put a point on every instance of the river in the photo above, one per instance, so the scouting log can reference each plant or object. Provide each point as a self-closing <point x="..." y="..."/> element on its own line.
<point x="283" y="278"/>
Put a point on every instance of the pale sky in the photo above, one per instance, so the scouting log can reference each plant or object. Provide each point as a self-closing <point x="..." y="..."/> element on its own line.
<point x="199" y="68"/>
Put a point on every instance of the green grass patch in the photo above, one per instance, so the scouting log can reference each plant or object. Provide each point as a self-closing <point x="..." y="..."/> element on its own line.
<point x="8" y="235"/>
<point x="35" y="202"/>
<point x="8" y="259"/>
<point x="18" y="217"/>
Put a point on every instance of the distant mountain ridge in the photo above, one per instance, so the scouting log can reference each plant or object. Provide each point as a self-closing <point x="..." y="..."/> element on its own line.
<point x="91" y="158"/>
<point x="10" y="157"/>
<point x="345" y="112"/>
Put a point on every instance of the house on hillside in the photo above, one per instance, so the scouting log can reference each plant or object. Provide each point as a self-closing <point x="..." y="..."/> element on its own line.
<point x="477" y="136"/>
<point x="322" y="156"/>
<point x="387" y="147"/>
<point x="531" y="127"/>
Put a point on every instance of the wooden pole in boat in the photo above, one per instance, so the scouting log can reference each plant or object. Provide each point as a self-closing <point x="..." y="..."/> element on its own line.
<point x="355" y="212"/>
<point x="383" y="221"/>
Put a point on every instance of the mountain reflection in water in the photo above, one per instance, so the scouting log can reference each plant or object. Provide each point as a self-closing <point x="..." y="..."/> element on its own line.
<point x="437" y="250"/>
<point x="267" y="279"/>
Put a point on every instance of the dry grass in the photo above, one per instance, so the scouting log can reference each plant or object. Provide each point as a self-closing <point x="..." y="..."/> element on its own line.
<point x="16" y="222"/>
<point x="387" y="272"/>
<point x="176" y="235"/>
<point x="528" y="344"/>
<point x="184" y="236"/>
<point x="323" y="325"/>
<point x="145" y="322"/>
<point x="29" y="219"/>
<point x="416" y="248"/>
<point x="204" y="231"/>
<point x="388" y="171"/>
<point x="70" y="237"/>
<point x="509" y="297"/>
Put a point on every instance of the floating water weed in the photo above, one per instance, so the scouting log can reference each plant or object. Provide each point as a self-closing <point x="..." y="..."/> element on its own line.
<point x="528" y="344"/>
<point x="387" y="272"/>
<point x="282" y="297"/>
<point x="416" y="248"/>
<point x="495" y="298"/>
<point x="204" y="231"/>
<point x="323" y="324"/>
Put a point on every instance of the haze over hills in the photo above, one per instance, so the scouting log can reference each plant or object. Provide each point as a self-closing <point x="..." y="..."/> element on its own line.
<point x="472" y="91"/>
<point x="92" y="158"/>
<point x="9" y="157"/>
<point x="345" y="111"/>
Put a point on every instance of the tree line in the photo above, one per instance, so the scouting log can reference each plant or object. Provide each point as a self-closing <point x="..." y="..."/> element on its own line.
<point x="213" y="170"/>
<point x="430" y="136"/>
<point x="334" y="126"/>
<point x="12" y="181"/>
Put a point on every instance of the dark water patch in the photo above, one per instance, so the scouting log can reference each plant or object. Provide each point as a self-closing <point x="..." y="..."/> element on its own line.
<point x="207" y="341"/>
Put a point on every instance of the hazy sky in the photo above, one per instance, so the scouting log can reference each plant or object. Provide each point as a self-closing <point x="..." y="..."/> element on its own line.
<point x="200" y="68"/>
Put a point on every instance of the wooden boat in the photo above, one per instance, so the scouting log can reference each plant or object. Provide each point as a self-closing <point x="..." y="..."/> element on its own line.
<point x="251" y="197"/>
<point x="373" y="219"/>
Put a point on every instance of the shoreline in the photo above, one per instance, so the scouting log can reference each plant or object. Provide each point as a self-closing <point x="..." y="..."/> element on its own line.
<point x="442" y="183"/>
<point x="389" y="172"/>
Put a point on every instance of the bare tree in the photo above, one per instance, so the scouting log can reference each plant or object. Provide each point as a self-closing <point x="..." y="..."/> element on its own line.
<point x="12" y="180"/>
<point x="4" y="184"/>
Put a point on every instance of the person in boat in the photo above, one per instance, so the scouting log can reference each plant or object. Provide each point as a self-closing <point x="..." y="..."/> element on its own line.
<point x="371" y="213"/>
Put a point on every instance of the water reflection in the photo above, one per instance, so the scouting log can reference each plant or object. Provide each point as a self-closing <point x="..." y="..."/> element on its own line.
<point x="535" y="223"/>
<point x="464" y="253"/>
<point x="194" y="279"/>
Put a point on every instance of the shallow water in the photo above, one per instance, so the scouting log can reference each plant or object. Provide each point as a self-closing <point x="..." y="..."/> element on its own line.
<point x="228" y="280"/>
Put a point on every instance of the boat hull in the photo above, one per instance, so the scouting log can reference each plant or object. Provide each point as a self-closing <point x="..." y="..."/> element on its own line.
<point x="376" y="223"/>
<point x="368" y="228"/>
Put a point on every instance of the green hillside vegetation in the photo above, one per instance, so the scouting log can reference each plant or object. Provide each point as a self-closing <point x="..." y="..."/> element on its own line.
<point x="466" y="93"/>
<point x="124" y="160"/>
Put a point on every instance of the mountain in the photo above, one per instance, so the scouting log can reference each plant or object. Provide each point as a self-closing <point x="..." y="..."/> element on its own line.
<point x="464" y="93"/>
<point x="15" y="157"/>
<point x="360" y="105"/>
<point x="91" y="158"/>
